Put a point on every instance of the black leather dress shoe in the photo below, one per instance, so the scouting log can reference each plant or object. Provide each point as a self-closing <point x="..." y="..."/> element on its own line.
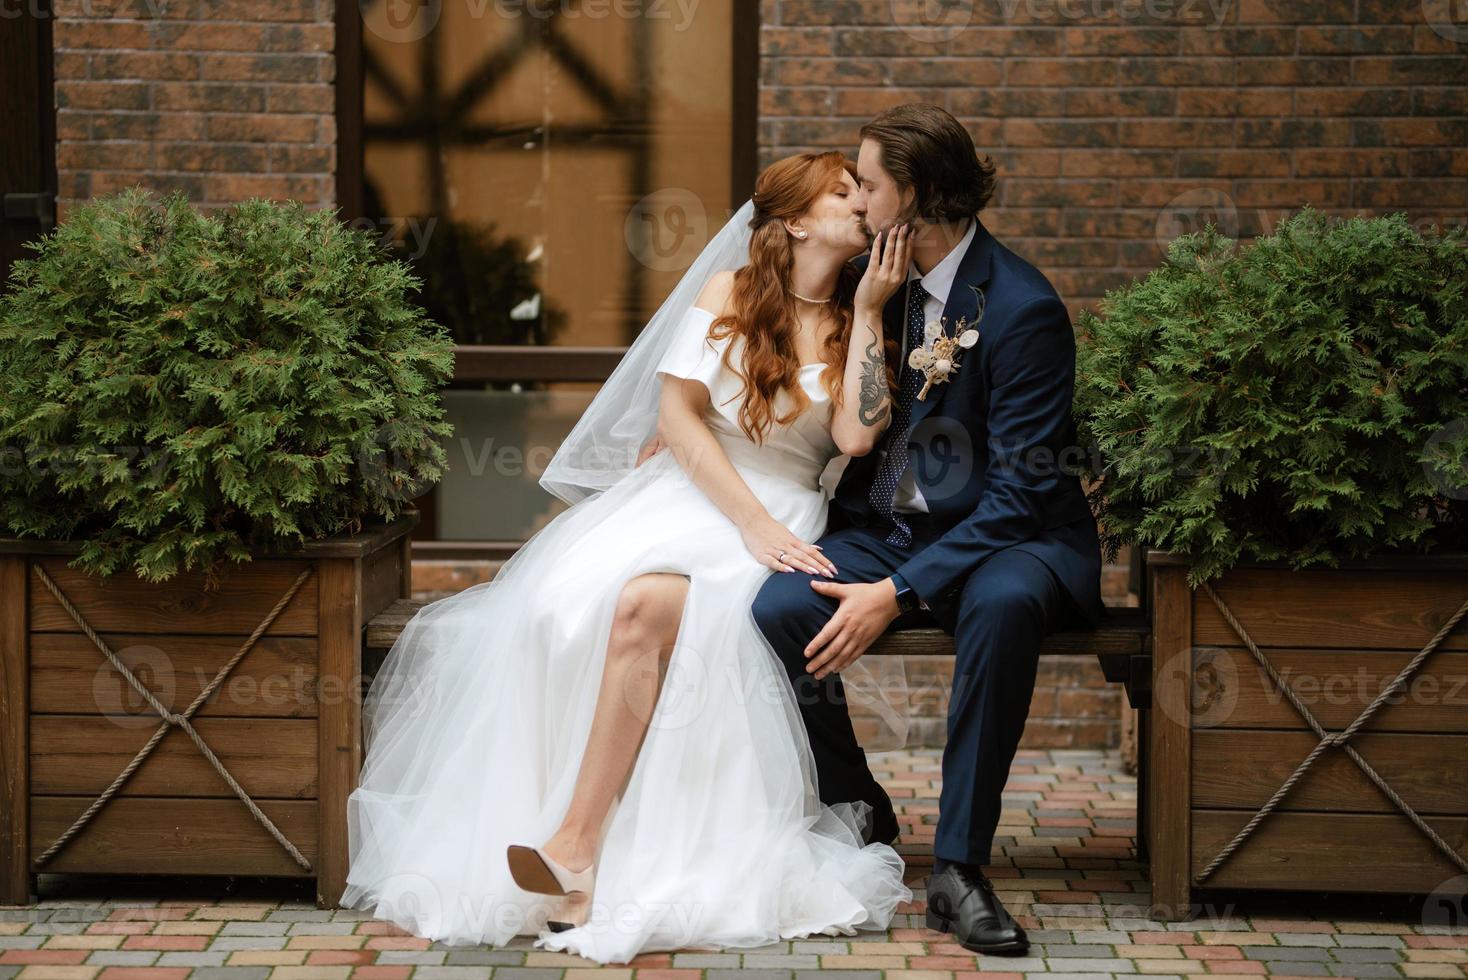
<point x="963" y="902"/>
<point x="883" y="826"/>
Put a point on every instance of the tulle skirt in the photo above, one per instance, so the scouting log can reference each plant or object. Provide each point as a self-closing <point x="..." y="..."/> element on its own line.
<point x="478" y="719"/>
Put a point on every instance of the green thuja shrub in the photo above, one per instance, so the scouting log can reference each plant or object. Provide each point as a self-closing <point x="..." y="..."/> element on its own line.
<point x="1302" y="398"/>
<point x="180" y="388"/>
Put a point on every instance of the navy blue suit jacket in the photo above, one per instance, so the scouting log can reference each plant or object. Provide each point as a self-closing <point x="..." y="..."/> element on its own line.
<point x="993" y="449"/>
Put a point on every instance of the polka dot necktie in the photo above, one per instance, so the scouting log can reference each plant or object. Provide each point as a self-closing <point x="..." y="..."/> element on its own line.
<point x="894" y="463"/>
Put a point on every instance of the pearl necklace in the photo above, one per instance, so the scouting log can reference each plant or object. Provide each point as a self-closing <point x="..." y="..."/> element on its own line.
<point x="808" y="299"/>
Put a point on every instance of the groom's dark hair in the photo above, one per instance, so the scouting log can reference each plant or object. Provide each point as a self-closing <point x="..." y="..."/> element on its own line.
<point x="924" y="148"/>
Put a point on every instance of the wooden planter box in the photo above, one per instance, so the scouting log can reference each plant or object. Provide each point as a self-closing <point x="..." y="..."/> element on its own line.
<point x="1222" y="738"/>
<point x="285" y="722"/>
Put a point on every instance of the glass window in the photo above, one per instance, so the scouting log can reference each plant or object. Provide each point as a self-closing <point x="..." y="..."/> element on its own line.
<point x="549" y="167"/>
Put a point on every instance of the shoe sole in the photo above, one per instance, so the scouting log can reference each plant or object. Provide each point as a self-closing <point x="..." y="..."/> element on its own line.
<point x="534" y="875"/>
<point x="531" y="873"/>
<point x="939" y="923"/>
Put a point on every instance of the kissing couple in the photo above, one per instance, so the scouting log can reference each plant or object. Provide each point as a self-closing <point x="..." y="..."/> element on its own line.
<point x="635" y="737"/>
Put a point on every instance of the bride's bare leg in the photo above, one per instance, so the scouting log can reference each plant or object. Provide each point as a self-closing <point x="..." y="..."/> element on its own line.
<point x="643" y="630"/>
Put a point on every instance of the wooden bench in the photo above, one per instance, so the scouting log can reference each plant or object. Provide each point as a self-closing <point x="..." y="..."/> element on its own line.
<point x="1122" y="644"/>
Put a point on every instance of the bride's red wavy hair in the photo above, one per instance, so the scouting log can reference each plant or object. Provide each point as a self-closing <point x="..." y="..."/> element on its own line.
<point x="763" y="310"/>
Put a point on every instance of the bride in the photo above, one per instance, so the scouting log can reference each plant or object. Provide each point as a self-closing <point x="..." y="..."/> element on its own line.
<point x="599" y="745"/>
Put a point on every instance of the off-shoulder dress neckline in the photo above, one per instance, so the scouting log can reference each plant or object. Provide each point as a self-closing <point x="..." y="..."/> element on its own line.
<point x="711" y="315"/>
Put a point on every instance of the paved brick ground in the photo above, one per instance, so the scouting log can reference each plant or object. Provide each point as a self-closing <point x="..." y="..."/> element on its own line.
<point x="1068" y="871"/>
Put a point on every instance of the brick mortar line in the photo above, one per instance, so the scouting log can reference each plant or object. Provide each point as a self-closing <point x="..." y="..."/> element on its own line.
<point x="217" y="82"/>
<point x="1117" y="119"/>
<point x="103" y="19"/>
<point x="272" y="141"/>
<point x="221" y="53"/>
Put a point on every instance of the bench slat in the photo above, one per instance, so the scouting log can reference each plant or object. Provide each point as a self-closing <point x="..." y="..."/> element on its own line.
<point x="1122" y="644"/>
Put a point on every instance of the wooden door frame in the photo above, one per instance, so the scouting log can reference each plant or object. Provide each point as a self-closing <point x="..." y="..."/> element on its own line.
<point x="350" y="87"/>
<point x="33" y="165"/>
<point x="745" y="101"/>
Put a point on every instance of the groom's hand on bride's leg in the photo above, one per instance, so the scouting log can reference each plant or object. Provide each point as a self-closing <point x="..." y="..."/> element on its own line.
<point x="864" y="612"/>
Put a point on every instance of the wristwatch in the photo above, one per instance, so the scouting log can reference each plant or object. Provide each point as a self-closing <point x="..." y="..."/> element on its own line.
<point x="907" y="599"/>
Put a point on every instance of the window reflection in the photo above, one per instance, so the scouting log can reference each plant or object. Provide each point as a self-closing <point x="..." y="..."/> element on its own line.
<point x="549" y="168"/>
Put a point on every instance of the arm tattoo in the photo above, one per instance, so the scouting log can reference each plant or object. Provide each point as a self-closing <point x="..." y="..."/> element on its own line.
<point x="874" y="403"/>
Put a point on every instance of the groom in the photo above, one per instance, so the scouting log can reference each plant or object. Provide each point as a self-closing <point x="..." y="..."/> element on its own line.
<point x="966" y="512"/>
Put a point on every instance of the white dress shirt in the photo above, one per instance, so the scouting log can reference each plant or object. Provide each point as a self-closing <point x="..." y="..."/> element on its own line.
<point x="938" y="282"/>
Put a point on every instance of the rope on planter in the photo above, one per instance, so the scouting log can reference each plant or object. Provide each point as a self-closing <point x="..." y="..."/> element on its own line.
<point x="169" y="718"/>
<point x="1328" y="739"/>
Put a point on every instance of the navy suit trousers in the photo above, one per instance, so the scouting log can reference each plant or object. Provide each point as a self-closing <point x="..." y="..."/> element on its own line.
<point x="997" y="620"/>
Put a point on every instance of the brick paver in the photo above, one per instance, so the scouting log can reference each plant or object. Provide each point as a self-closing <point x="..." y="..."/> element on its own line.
<point x="1065" y="866"/>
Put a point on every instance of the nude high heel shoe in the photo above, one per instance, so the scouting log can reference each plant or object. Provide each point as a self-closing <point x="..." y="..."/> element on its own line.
<point x="536" y="871"/>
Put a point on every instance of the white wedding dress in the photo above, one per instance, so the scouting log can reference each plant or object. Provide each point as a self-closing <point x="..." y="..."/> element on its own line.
<point x="477" y="722"/>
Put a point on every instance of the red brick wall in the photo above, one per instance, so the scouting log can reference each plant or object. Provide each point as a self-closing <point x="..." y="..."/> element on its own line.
<point x="224" y="99"/>
<point x="1117" y="124"/>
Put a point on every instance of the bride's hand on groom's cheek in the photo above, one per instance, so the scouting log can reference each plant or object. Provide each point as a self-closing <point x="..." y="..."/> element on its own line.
<point x="886" y="270"/>
<point x="866" y="609"/>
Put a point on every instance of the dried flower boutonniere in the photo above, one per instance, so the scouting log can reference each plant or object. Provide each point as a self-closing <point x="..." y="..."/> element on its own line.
<point x="938" y="357"/>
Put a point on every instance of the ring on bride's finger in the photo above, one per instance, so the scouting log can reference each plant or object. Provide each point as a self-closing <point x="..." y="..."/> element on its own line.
<point x="781" y="558"/>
